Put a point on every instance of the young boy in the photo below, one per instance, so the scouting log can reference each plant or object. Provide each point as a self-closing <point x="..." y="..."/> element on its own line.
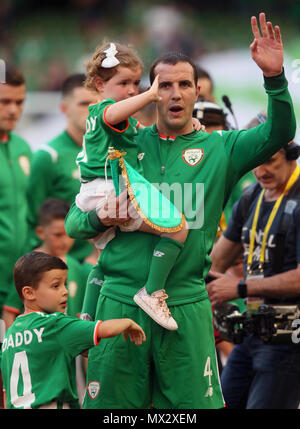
<point x="39" y="349"/>
<point x="55" y="241"/>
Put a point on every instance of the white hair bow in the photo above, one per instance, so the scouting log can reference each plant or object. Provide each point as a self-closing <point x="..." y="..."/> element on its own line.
<point x="110" y="60"/>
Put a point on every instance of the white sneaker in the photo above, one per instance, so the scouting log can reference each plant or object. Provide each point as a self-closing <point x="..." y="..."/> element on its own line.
<point x="155" y="306"/>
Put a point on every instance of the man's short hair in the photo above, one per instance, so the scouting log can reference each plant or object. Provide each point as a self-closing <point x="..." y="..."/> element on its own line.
<point x="29" y="269"/>
<point x="13" y="76"/>
<point x="71" y="82"/>
<point x="51" y="209"/>
<point x="173" y="58"/>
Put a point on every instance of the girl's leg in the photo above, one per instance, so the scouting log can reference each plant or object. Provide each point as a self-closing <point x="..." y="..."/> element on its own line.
<point x="152" y="297"/>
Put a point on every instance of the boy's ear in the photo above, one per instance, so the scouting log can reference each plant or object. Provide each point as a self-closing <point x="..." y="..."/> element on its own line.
<point x="40" y="232"/>
<point x="28" y="293"/>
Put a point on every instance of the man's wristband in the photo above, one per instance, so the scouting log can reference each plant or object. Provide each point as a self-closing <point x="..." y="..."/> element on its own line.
<point x="242" y="289"/>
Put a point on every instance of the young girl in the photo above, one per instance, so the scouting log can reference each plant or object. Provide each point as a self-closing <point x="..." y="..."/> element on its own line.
<point x="115" y="72"/>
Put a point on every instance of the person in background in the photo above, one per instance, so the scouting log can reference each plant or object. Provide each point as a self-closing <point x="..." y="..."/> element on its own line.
<point x="15" y="157"/>
<point x="265" y="227"/>
<point x="206" y="85"/>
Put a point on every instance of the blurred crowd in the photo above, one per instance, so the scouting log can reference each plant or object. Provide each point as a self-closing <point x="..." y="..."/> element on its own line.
<point x="49" y="40"/>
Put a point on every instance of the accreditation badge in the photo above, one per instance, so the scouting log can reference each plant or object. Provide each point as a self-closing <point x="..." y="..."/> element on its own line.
<point x="254" y="302"/>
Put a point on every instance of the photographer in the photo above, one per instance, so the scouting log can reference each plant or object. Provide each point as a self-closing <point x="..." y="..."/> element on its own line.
<point x="265" y="224"/>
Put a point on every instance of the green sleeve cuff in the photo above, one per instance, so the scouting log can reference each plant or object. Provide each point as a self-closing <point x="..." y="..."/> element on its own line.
<point x="275" y="82"/>
<point x="96" y="223"/>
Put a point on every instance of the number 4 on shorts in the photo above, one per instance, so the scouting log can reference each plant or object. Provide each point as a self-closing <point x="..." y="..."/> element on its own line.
<point x="208" y="372"/>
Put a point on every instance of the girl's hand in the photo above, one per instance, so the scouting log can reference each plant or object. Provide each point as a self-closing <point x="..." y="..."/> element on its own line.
<point x="153" y="90"/>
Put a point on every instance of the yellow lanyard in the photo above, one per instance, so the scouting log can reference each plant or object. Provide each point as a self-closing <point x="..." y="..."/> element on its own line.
<point x="290" y="183"/>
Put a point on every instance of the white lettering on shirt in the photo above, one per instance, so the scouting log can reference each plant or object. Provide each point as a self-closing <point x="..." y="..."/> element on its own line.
<point x="20" y="338"/>
<point x="91" y="124"/>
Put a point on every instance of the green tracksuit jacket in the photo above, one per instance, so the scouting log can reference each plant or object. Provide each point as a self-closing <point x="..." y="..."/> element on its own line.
<point x="15" y="156"/>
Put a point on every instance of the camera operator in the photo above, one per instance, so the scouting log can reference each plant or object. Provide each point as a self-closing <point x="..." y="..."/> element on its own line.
<point x="265" y="223"/>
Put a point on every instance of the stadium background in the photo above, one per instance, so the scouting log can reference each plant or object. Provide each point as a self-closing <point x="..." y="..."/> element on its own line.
<point x="49" y="40"/>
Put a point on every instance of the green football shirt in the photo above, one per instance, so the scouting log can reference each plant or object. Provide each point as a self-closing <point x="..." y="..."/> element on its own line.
<point x="38" y="358"/>
<point x="100" y="136"/>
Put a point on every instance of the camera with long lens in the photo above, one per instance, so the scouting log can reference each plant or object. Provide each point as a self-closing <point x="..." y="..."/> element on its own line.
<point x="272" y="323"/>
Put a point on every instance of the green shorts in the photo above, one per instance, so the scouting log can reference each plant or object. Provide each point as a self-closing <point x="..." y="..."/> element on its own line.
<point x="171" y="370"/>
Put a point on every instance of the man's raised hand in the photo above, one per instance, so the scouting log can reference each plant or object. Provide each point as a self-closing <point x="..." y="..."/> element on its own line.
<point x="266" y="48"/>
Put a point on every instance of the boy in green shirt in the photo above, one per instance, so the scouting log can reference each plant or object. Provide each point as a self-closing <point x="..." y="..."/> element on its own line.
<point x="39" y="349"/>
<point x="55" y="241"/>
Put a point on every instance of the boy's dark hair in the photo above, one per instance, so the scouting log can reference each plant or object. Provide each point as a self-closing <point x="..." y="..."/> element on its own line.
<point x="13" y="76"/>
<point x="29" y="269"/>
<point x="71" y="82"/>
<point x="51" y="209"/>
<point x="173" y="58"/>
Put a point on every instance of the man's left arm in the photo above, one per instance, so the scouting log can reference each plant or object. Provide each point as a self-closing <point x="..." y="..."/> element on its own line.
<point x="249" y="148"/>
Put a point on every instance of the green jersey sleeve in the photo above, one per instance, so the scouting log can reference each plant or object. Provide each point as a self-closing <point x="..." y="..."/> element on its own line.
<point x="40" y="180"/>
<point x="83" y="225"/>
<point x="99" y="136"/>
<point x="76" y="335"/>
<point x="249" y="148"/>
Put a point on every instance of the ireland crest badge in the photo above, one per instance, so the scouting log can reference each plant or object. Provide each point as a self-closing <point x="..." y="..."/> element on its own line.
<point x="192" y="157"/>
